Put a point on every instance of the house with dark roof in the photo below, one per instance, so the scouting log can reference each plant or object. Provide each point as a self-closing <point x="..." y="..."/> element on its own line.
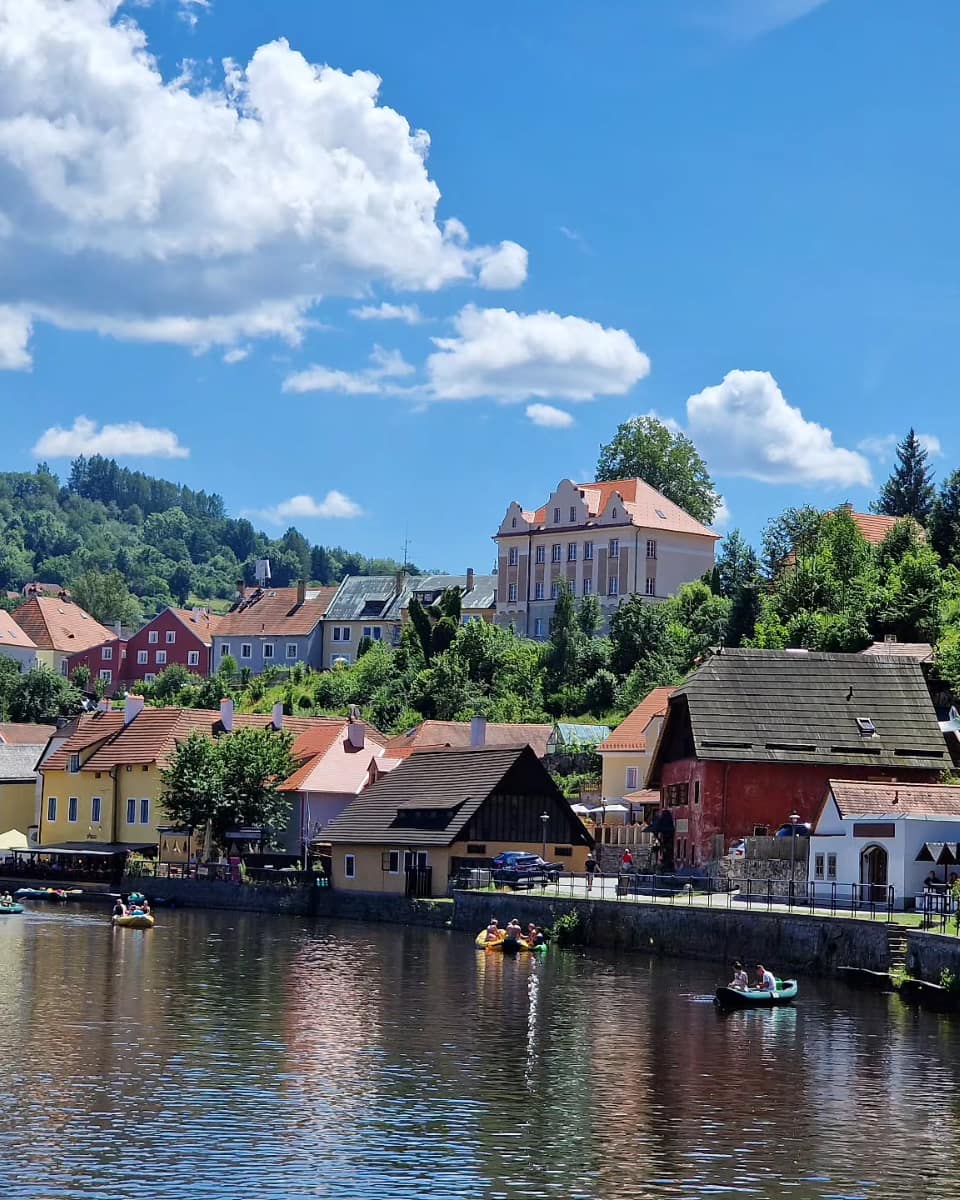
<point x="365" y="606"/>
<point x="271" y="627"/>
<point x="478" y="594"/>
<point x="464" y="735"/>
<point x="883" y="835"/>
<point x="442" y="811"/>
<point x="755" y="735"/>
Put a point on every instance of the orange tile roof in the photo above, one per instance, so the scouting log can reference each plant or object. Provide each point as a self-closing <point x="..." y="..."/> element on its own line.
<point x="56" y="624"/>
<point x="15" y="733"/>
<point x="11" y="633"/>
<point x="874" y="527"/>
<point x="334" y="765"/>
<point x="629" y="734"/>
<point x="455" y="735"/>
<point x="274" y="611"/>
<point x="645" y="507"/>
<point x="856" y="799"/>
<point x="204" y="626"/>
<point x="91" y="728"/>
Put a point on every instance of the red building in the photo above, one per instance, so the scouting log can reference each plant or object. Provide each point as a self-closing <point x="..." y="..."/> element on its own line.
<point x="755" y="735"/>
<point x="176" y="635"/>
<point x="106" y="663"/>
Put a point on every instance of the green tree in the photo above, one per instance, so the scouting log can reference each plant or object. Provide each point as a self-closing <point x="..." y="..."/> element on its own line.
<point x="39" y="695"/>
<point x="645" y="447"/>
<point x="436" y="625"/>
<point x="909" y="490"/>
<point x="790" y="539"/>
<point x="106" y="597"/>
<point x="253" y="764"/>
<point x="944" y="523"/>
<point x="81" y="677"/>
<point x="640" y="637"/>
<point x="737" y="563"/>
<point x="191" y="783"/>
<point x="170" y="683"/>
<point x="181" y="583"/>
<point x="9" y="677"/>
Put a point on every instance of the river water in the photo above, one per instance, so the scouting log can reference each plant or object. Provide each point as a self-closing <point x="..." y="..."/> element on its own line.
<point x="238" y="1055"/>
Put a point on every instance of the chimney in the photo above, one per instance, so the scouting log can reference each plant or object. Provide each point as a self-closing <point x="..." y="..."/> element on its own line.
<point x="118" y="629"/>
<point x="356" y="730"/>
<point x="478" y="731"/>
<point x="241" y="589"/>
<point x="301" y="590"/>
<point x="398" y="584"/>
<point x="196" y="615"/>
<point x="131" y="707"/>
<point x="278" y="715"/>
<point x="469" y="587"/>
<point x="104" y="705"/>
<point x="226" y="714"/>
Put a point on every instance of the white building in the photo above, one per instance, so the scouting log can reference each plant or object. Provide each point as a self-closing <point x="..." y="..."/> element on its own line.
<point x="16" y="643"/>
<point x="873" y="834"/>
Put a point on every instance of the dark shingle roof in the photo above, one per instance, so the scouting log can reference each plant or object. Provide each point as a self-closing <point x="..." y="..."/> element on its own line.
<point x="782" y="706"/>
<point x="448" y="785"/>
<point x="483" y="594"/>
<point x="18" y="762"/>
<point x="370" y="596"/>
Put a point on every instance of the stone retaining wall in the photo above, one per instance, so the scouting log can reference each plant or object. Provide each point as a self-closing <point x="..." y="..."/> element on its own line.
<point x="209" y="893"/>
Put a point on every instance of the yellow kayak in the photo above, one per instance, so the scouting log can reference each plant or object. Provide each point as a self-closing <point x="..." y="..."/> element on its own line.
<point x="509" y="945"/>
<point x="135" y="921"/>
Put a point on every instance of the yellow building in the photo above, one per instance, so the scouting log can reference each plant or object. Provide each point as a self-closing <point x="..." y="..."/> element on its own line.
<point x="442" y="811"/>
<point x="626" y="753"/>
<point x="18" y="786"/>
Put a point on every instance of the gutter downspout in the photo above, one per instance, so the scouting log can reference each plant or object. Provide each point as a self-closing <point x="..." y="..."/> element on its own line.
<point x="114" y="825"/>
<point x="636" y="559"/>
<point x="526" y="615"/>
<point x="723" y="809"/>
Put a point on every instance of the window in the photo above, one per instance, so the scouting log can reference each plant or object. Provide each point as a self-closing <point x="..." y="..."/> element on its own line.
<point x="514" y="558"/>
<point x="141" y="657"/>
<point x="613" y="587"/>
<point x="131" y="811"/>
<point x="414" y="858"/>
<point x="571" y="551"/>
<point x="696" y="791"/>
<point x="556" y="516"/>
<point x="588" y="551"/>
<point x="556" y="553"/>
<point x="145" y="811"/>
<point x="51" y="808"/>
<point x="224" y="649"/>
<point x="651" y="548"/>
<point x="171" y="637"/>
<point x="613" y="513"/>
<point x="393" y="862"/>
<point x="161" y="657"/>
<point x="541" y="554"/>
<point x="292" y="650"/>
<point x="513" y="522"/>
<point x="74" y="766"/>
<point x="246" y="650"/>
<point x="268" y="650"/>
<point x="106" y="653"/>
<point x="149" y="677"/>
<point x="106" y="675"/>
<point x="73" y="806"/>
<point x="538" y="627"/>
<point x="555" y="589"/>
<point x="632" y="773"/>
<point x="193" y="658"/>
<point x="538" y="591"/>
<point x="614" y="547"/>
<point x="573" y="514"/>
<point x="866" y="727"/>
<point x="373" y="632"/>
<point x="476" y="848"/>
<point x="831" y="866"/>
<point x="153" y="637"/>
<point x="676" y="794"/>
<point x="818" y="866"/>
<point x="588" y="587"/>
<point x="95" y="806"/>
<point x="512" y="592"/>
<point x="349" y="866"/>
<point x="650" y="587"/>
<point x="64" y="667"/>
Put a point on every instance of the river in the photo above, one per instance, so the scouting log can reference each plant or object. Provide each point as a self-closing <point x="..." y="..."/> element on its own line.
<point x="237" y="1055"/>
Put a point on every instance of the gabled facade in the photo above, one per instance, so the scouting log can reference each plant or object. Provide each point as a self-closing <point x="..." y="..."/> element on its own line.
<point x="627" y="752"/>
<point x="439" y="812"/>
<point x="59" y="628"/>
<point x="177" y="635"/>
<point x="755" y="735"/>
<point x="16" y="643"/>
<point x="273" y="627"/>
<point x="478" y="594"/>
<point x="612" y="540"/>
<point x="105" y="662"/>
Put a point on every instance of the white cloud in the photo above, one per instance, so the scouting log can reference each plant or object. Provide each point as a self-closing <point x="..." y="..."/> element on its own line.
<point x="385" y="365"/>
<point x="753" y="18"/>
<point x="505" y="268"/>
<point x="745" y="426"/>
<point x="129" y="440"/>
<point x="549" y="417"/>
<point x="334" y="505"/>
<point x="204" y="213"/>
<point x="884" y="447"/>
<point x="515" y="356"/>
<point x="236" y="354"/>
<point x="575" y="236"/>
<point x="723" y="515"/>
<point x="188" y="10"/>
<point x="408" y="313"/>
<point x="15" y="330"/>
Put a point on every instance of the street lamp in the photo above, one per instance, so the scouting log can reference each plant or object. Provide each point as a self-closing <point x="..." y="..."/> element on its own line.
<point x="794" y="819"/>
<point x="544" y="818"/>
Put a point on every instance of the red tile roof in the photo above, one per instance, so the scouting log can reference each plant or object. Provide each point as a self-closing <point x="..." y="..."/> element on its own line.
<point x="11" y="633"/>
<point x="15" y="733"/>
<point x="334" y="765"/>
<point x="856" y="799"/>
<point x="275" y="611"/>
<point x="643" y="505"/>
<point x="204" y="625"/>
<point x="455" y="735"/>
<point x="56" y="624"/>
<point x="629" y="734"/>
<point x="874" y="527"/>
<point x="91" y="728"/>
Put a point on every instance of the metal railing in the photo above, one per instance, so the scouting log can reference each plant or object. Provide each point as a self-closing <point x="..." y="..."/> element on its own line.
<point x="282" y="877"/>
<point x="874" y="901"/>
<point x="623" y="835"/>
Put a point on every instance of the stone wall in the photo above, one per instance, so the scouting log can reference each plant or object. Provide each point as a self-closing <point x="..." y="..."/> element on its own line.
<point x="929" y="953"/>
<point x="205" y="893"/>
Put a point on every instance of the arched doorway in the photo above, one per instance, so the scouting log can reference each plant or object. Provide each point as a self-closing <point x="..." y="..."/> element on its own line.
<point x="873" y="874"/>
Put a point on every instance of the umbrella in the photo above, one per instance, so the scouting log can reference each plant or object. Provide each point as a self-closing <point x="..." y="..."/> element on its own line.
<point x="943" y="854"/>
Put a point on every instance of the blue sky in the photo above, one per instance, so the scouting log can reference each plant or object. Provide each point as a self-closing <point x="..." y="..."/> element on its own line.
<point x="738" y="214"/>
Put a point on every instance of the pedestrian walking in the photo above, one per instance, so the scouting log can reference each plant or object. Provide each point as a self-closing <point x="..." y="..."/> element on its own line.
<point x="591" y="866"/>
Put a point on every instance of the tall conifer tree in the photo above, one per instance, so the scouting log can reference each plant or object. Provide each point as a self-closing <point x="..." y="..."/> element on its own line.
<point x="909" y="490"/>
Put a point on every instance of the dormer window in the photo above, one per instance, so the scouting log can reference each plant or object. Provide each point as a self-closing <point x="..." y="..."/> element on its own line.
<point x="866" y="727"/>
<point x="74" y="766"/>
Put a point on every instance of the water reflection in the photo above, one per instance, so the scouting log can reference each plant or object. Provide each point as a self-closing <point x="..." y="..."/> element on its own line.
<point x="226" y="1053"/>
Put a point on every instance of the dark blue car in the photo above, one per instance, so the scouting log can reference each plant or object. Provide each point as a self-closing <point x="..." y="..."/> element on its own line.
<point x="519" y="869"/>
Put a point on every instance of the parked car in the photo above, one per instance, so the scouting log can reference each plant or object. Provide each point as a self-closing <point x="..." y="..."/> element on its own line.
<point x="801" y="829"/>
<point x="518" y="869"/>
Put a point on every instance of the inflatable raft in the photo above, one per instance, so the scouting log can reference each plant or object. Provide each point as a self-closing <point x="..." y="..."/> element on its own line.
<point x="8" y="910"/>
<point x="508" y="945"/>
<point x="786" y="993"/>
<point x="49" y="893"/>
<point x="135" y="921"/>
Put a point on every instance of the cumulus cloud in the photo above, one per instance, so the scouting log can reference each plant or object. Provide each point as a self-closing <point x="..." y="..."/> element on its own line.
<point x="408" y="313"/>
<point x="15" y="329"/>
<point x="549" y="417"/>
<point x="745" y="426"/>
<point x="189" y="9"/>
<point x="334" y="505"/>
<point x="129" y="440"/>
<point x="385" y="365"/>
<point x="514" y="356"/>
<point x="236" y="354"/>
<point x="723" y="515"/>
<point x="159" y="209"/>
<point x="885" y="447"/>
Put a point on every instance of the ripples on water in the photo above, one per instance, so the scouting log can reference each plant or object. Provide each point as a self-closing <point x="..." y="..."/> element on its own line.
<point x="227" y="1055"/>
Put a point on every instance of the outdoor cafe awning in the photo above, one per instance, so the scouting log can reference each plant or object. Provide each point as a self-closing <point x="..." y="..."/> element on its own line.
<point x="944" y="854"/>
<point x="89" y="849"/>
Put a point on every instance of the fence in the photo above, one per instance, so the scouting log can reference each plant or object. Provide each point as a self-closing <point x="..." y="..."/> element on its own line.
<point x="285" y="877"/>
<point x="622" y="835"/>
<point x="874" y="901"/>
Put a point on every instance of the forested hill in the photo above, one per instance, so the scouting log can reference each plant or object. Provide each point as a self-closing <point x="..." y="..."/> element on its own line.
<point x="167" y="541"/>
